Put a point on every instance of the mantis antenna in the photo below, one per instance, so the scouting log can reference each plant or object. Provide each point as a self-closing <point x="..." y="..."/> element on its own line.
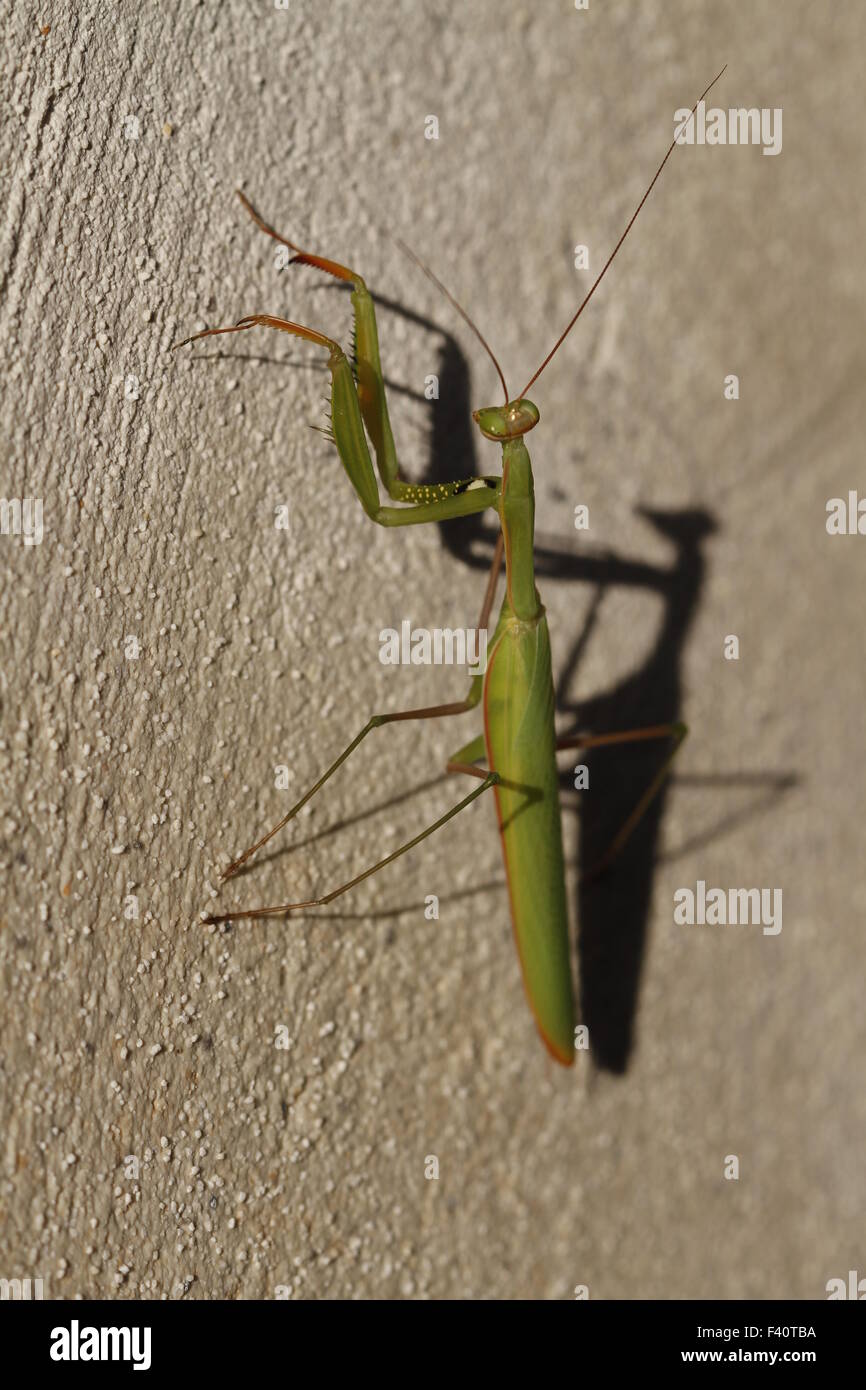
<point x="407" y="251"/>
<point x="562" y="337"/>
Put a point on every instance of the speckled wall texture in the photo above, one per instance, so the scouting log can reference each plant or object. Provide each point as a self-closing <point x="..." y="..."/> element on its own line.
<point x="245" y="1111"/>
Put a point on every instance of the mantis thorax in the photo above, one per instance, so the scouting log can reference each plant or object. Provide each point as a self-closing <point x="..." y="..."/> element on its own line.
<point x="517" y="516"/>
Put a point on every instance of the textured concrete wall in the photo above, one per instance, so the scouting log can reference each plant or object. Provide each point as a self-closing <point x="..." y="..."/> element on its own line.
<point x="166" y="647"/>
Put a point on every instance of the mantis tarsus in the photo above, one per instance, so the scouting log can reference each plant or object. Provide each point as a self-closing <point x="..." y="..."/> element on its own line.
<point x="516" y="692"/>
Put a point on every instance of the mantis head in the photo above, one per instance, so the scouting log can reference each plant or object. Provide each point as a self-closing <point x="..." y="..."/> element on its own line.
<point x="500" y="422"/>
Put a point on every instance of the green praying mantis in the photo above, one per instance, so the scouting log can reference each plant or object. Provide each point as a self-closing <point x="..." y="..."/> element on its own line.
<point x="518" y="741"/>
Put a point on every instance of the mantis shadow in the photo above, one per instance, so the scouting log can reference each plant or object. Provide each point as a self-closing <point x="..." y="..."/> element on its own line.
<point x="613" y="908"/>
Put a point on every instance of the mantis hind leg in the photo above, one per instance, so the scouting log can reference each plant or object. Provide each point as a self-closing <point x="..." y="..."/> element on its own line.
<point x="465" y="759"/>
<point x="429" y="712"/>
<point x="490" y="780"/>
<point x="676" y="732"/>
<point x="374" y="722"/>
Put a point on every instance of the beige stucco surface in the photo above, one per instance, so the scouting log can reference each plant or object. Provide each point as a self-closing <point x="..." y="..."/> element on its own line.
<point x="166" y="647"/>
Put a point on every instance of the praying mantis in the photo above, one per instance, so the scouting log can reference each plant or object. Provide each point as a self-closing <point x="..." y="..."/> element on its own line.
<point x="515" y="694"/>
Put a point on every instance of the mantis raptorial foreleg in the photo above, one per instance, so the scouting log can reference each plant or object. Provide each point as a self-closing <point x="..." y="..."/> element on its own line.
<point x="358" y="400"/>
<point x="677" y="732"/>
